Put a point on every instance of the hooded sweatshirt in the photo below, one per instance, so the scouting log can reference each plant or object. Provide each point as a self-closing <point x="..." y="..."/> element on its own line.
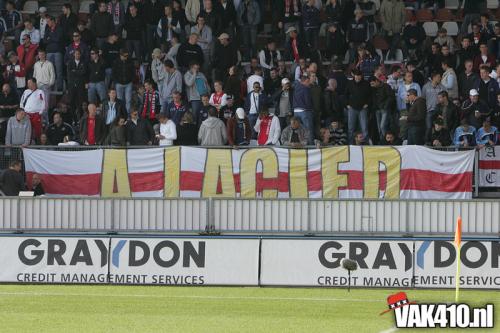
<point x="212" y="132"/>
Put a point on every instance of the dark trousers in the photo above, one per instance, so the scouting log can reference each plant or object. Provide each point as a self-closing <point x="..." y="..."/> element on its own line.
<point x="416" y="135"/>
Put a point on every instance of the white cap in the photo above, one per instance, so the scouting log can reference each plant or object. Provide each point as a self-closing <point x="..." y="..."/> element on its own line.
<point x="240" y="113"/>
<point x="42" y="9"/>
<point x="473" y="92"/>
<point x="285" y="81"/>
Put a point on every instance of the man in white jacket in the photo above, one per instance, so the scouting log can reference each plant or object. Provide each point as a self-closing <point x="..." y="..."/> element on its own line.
<point x="33" y="102"/>
<point x="168" y="132"/>
<point x="45" y="75"/>
<point x="268" y="129"/>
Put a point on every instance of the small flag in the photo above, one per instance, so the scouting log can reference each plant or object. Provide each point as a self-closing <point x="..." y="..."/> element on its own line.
<point x="458" y="232"/>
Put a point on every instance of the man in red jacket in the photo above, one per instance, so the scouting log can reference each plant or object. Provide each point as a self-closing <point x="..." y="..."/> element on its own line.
<point x="27" y="52"/>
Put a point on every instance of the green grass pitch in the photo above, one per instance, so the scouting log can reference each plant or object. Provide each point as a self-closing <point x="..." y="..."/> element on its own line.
<point x="62" y="308"/>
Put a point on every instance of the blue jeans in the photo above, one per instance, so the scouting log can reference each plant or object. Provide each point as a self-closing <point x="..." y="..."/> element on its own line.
<point x="195" y="110"/>
<point x="107" y="79"/>
<point x="57" y="60"/>
<point x="382" y="122"/>
<point x="306" y="118"/>
<point x="96" y="89"/>
<point x="353" y="117"/>
<point x="124" y="92"/>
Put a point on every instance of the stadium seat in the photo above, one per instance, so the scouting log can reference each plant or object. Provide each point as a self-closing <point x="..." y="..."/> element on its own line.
<point x="451" y="4"/>
<point x="85" y="7"/>
<point x="492" y="4"/>
<point x="399" y="58"/>
<point x="444" y="15"/>
<point x="30" y="7"/>
<point x="431" y="28"/>
<point x="424" y="15"/>
<point x="452" y="28"/>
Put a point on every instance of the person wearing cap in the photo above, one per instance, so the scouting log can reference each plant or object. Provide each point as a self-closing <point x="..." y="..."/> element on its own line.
<point x="53" y="42"/>
<point x="416" y="118"/>
<point x="123" y="73"/>
<point x="31" y="31"/>
<point x="295" y="135"/>
<point x="239" y="132"/>
<point x="465" y="135"/>
<point x="224" y="57"/>
<point x="101" y="24"/>
<point x="295" y="48"/>
<point x="283" y="102"/>
<point x="269" y="56"/>
<point x="41" y="23"/>
<point x="382" y="103"/>
<point x="170" y="81"/>
<point x="474" y="110"/>
<point x="212" y="131"/>
<point x="15" y="74"/>
<point x="487" y="135"/>
<point x="487" y="87"/>
<point x="440" y="137"/>
<point x="27" y="53"/>
<point x="248" y="18"/>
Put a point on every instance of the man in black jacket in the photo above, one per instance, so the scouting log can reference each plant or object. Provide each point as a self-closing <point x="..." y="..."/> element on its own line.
<point x="383" y="101"/>
<point x="358" y="95"/>
<point x="12" y="181"/>
<point x="54" y="45"/>
<point x="110" y="53"/>
<point x="9" y="102"/>
<point x="139" y="131"/>
<point x="416" y="118"/>
<point x="190" y="52"/>
<point x="112" y="108"/>
<point x="97" y="73"/>
<point x="101" y="24"/>
<point x="58" y="130"/>
<point x="77" y="77"/>
<point x="123" y="74"/>
<point x="225" y="56"/>
<point x="135" y="26"/>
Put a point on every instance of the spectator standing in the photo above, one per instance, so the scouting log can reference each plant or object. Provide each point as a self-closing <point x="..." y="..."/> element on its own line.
<point x="45" y="75"/>
<point x="189" y="53"/>
<point x="474" y="110"/>
<point x="358" y="96"/>
<point x="135" y="26"/>
<point x="176" y="109"/>
<point x="487" y="87"/>
<point x="484" y="58"/>
<point x="288" y="15"/>
<point x="430" y="92"/>
<point x="77" y="79"/>
<point x="168" y="132"/>
<point x="97" y="75"/>
<point x="169" y="25"/>
<point x="449" y="79"/>
<point x="187" y="131"/>
<point x="295" y="48"/>
<point x="58" y="130"/>
<point x="416" y="118"/>
<point x="303" y="105"/>
<point x="402" y="101"/>
<point x="77" y="44"/>
<point x="393" y="16"/>
<point x="53" y="40"/>
<point x="118" y="133"/>
<point x="267" y="128"/>
<point x="139" y="131"/>
<point x="254" y="103"/>
<point x="31" y="31"/>
<point x="117" y="11"/>
<point x="447" y="112"/>
<point x="218" y="99"/>
<point x="9" y="102"/>
<point x="33" y="102"/>
<point x="193" y="9"/>
<point x="258" y="77"/>
<point x="225" y="56"/>
<point x="382" y="103"/>
<point x="212" y="17"/>
<point x="283" y="102"/>
<point x="269" y="56"/>
<point x="12" y="181"/>
<point x="36" y="185"/>
<point x="205" y="36"/>
<point x="13" y="20"/>
<point x="212" y="131"/>
<point x="123" y="74"/>
<point x="110" y="54"/>
<point x="92" y="128"/>
<point x="471" y="8"/>
<point x="311" y="23"/>
<point x="466" y="52"/>
<point x="196" y="86"/>
<point x="227" y="12"/>
<point x="41" y="23"/>
<point x="151" y="102"/>
<point x="112" y="108"/>
<point x="440" y="137"/>
<point x="249" y="18"/>
<point x="239" y="132"/>
<point x="101" y="24"/>
<point x="15" y="73"/>
<point x="467" y="79"/>
<point x="68" y="21"/>
<point x="152" y="12"/>
<point x="171" y="81"/>
<point x="18" y="130"/>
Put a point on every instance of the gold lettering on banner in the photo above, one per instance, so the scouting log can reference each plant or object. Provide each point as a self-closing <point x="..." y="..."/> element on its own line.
<point x="219" y="169"/>
<point x="115" y="182"/>
<point x="332" y="179"/>
<point x="248" y="171"/>
<point x="372" y="158"/>
<point x="172" y="172"/>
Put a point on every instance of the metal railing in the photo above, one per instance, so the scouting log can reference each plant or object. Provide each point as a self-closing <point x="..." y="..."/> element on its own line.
<point x="313" y="216"/>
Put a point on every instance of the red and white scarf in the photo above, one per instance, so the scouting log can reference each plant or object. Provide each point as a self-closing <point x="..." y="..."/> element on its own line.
<point x="151" y="101"/>
<point x="265" y="129"/>
<point x="117" y="9"/>
<point x="218" y="98"/>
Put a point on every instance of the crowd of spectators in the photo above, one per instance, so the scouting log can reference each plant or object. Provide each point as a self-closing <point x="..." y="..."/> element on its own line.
<point x="200" y="72"/>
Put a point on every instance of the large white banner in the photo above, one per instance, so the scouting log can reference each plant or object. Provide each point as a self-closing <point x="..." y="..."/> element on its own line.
<point x="181" y="261"/>
<point x="405" y="172"/>
<point x="317" y="263"/>
<point x="53" y="259"/>
<point x="489" y="166"/>
<point x="435" y="264"/>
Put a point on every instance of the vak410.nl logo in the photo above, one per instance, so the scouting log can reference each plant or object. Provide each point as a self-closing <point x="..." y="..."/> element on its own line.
<point x="420" y="315"/>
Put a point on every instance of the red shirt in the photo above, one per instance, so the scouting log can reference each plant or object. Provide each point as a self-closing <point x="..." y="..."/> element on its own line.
<point x="91" y="131"/>
<point x="265" y="128"/>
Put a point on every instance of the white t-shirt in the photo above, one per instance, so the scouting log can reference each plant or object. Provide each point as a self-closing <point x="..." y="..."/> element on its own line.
<point x="169" y="131"/>
<point x="33" y="101"/>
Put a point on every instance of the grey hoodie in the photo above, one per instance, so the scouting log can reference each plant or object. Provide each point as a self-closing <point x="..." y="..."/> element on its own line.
<point x="18" y="132"/>
<point x="212" y="132"/>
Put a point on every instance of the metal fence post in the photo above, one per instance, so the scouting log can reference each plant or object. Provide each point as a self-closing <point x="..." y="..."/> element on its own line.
<point x="309" y="216"/>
